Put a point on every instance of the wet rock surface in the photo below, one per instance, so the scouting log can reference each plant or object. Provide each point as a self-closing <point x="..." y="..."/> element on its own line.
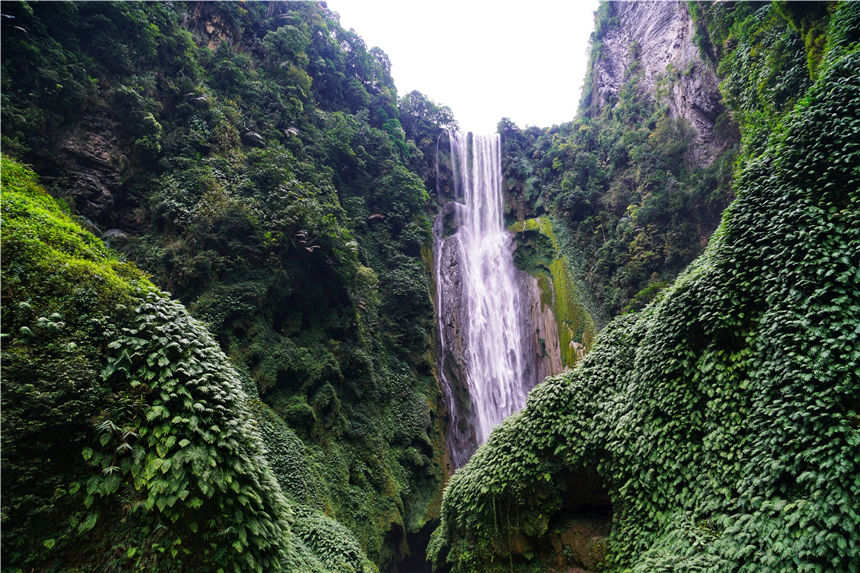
<point x="541" y="356"/>
<point x="86" y="168"/>
<point x="453" y="330"/>
<point x="539" y="319"/>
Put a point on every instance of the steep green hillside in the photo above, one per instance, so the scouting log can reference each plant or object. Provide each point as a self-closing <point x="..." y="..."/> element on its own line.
<point x="128" y="442"/>
<point x="250" y="157"/>
<point x="718" y="428"/>
<point x="282" y="412"/>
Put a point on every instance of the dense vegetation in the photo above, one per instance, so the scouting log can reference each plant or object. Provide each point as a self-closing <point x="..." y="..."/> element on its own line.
<point x="282" y="412"/>
<point x="538" y="252"/>
<point x="251" y="158"/>
<point x="621" y="182"/>
<point x="127" y="440"/>
<point x="718" y="427"/>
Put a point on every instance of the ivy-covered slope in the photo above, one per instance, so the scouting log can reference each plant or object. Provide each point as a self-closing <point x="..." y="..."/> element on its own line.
<point x="128" y="442"/>
<point x="718" y="428"/>
<point x="250" y="157"/>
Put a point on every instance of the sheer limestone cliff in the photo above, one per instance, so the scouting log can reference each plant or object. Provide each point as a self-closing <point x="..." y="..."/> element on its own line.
<point x="655" y="40"/>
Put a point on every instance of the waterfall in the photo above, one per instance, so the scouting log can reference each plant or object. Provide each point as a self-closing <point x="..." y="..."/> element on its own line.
<point x="487" y="362"/>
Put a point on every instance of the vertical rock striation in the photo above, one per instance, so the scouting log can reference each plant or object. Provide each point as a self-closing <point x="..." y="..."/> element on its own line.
<point x="539" y="321"/>
<point x="655" y="40"/>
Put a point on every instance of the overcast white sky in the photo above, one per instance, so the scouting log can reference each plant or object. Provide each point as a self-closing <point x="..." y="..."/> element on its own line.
<point x="484" y="59"/>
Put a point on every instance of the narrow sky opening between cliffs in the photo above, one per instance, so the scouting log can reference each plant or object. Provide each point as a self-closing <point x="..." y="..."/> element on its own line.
<point x="485" y="60"/>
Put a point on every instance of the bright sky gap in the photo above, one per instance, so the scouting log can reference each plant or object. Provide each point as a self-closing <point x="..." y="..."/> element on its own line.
<point x="485" y="60"/>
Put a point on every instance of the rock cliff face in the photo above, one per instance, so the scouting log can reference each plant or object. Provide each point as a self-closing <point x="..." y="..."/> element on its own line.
<point x="540" y="320"/>
<point x="653" y="41"/>
<point x="453" y="334"/>
<point x="86" y="165"/>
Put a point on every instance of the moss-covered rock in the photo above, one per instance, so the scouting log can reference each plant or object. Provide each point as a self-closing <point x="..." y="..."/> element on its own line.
<point x="538" y="253"/>
<point x="250" y="158"/>
<point x="128" y="440"/>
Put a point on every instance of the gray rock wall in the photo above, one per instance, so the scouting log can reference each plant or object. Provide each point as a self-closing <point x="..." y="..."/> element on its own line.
<point x="657" y="38"/>
<point x="539" y="320"/>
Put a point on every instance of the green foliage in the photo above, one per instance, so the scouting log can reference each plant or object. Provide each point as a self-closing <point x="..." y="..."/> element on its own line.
<point x="52" y="332"/>
<point x="110" y="412"/>
<point x="331" y="542"/>
<point x="623" y="186"/>
<point x="538" y="253"/>
<point x="423" y="123"/>
<point x="254" y="159"/>
<point x="811" y="22"/>
<point x="79" y="51"/>
<point x="645" y="296"/>
<point x="178" y="449"/>
<point x="773" y="58"/>
<point x="723" y="418"/>
<point x="46" y="239"/>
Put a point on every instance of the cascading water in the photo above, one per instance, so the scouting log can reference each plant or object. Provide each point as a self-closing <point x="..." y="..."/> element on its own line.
<point x="486" y="337"/>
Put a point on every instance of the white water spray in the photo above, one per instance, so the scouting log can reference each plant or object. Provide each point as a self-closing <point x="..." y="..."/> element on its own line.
<point x="486" y="319"/>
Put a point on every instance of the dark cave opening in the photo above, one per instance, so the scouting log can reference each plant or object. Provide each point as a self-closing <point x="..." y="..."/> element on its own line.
<point x="416" y="560"/>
